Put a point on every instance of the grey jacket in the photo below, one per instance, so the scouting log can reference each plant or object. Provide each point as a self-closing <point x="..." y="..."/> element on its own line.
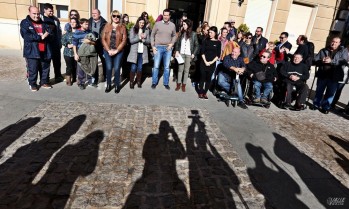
<point x="88" y="56"/>
<point x="134" y="40"/>
<point x="194" y="44"/>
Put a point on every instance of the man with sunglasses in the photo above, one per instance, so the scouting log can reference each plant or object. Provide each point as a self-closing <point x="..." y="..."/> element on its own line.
<point x="96" y="24"/>
<point x="282" y="45"/>
<point x="56" y="44"/>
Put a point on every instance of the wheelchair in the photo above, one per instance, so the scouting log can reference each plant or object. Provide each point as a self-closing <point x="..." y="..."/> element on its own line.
<point x="223" y="96"/>
<point x="249" y="94"/>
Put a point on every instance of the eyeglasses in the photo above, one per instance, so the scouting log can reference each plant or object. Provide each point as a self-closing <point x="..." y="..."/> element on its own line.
<point x="258" y="31"/>
<point x="232" y="22"/>
<point x="249" y="37"/>
<point x="264" y="57"/>
<point x="281" y="37"/>
<point x="116" y="16"/>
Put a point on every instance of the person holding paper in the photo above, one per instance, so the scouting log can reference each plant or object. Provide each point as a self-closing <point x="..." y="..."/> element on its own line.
<point x="186" y="48"/>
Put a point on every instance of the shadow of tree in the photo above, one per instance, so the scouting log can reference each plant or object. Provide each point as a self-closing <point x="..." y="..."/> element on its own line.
<point x="12" y="132"/>
<point x="160" y="186"/>
<point x="211" y="178"/>
<point x="18" y="172"/>
<point x="272" y="181"/>
<point x="319" y="181"/>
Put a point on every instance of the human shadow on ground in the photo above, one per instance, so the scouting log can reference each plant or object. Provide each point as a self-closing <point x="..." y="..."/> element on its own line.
<point x="342" y="160"/>
<point x="278" y="188"/>
<point x="319" y="181"/>
<point x="12" y="132"/>
<point x="210" y="177"/>
<point x="18" y="172"/>
<point x="159" y="186"/>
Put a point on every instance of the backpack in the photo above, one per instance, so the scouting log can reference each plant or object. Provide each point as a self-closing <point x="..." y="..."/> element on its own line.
<point x="311" y="50"/>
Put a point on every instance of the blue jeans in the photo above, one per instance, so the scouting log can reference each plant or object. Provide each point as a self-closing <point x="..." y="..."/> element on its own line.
<point x="137" y="66"/>
<point x="223" y="81"/>
<point x="331" y="88"/>
<point x="257" y="85"/>
<point x="110" y="62"/>
<point x="165" y="55"/>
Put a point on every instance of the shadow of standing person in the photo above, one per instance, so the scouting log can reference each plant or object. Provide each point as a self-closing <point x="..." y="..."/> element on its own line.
<point x="160" y="186"/>
<point x="74" y="160"/>
<point x="342" y="160"/>
<point x="12" y="132"/>
<point x="320" y="182"/>
<point x="279" y="189"/>
<point x="211" y="178"/>
<point x="18" y="172"/>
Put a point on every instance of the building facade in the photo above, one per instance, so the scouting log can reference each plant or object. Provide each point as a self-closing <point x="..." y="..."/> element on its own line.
<point x="318" y="19"/>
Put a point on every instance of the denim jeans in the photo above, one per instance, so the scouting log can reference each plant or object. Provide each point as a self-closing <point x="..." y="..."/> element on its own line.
<point x="223" y="81"/>
<point x="331" y="88"/>
<point x="110" y="62"/>
<point x="340" y="87"/>
<point x="165" y="55"/>
<point x="137" y="66"/>
<point x="257" y="85"/>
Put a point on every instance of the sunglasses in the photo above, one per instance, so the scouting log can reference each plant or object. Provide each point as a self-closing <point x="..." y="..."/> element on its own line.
<point x="264" y="57"/>
<point x="249" y="37"/>
<point x="116" y="16"/>
<point x="281" y="37"/>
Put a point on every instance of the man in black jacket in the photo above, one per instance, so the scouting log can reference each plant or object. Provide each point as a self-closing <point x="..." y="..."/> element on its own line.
<point x="296" y="74"/>
<point x="96" y="24"/>
<point x="263" y="74"/>
<point x="56" y="44"/>
<point x="259" y="42"/>
<point x="282" y="45"/>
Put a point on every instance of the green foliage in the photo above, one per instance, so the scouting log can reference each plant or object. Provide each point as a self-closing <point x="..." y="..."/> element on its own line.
<point x="129" y="25"/>
<point x="152" y="21"/>
<point x="244" y="28"/>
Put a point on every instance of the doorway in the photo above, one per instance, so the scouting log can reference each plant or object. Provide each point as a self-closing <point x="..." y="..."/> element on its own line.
<point x="195" y="10"/>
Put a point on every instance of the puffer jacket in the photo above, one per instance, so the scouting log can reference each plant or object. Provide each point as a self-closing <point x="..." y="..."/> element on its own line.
<point x="121" y="36"/>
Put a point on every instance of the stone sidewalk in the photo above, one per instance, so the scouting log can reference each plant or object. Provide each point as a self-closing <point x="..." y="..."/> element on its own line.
<point x="82" y="155"/>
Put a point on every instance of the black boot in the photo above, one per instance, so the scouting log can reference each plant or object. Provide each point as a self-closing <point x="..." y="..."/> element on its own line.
<point x="139" y="79"/>
<point x="117" y="90"/>
<point x="108" y="89"/>
<point x="132" y="78"/>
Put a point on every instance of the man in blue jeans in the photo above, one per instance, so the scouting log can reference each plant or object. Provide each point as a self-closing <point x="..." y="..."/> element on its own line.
<point x="233" y="67"/>
<point x="162" y="39"/>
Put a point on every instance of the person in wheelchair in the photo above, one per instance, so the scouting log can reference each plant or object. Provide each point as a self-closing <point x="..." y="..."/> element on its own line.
<point x="295" y="74"/>
<point x="229" y="76"/>
<point x="262" y="74"/>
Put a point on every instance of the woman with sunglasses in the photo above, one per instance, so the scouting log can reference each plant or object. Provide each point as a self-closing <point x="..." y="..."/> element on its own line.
<point x="67" y="42"/>
<point x="138" y="56"/>
<point x="114" y="38"/>
<point x="210" y="53"/>
<point x="72" y="14"/>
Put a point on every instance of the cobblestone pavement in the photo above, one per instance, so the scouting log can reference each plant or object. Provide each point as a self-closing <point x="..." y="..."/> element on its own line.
<point x="81" y="155"/>
<point x="12" y="67"/>
<point x="324" y="138"/>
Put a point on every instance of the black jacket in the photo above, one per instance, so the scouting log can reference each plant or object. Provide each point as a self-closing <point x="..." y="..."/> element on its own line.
<point x="329" y="70"/>
<point x="290" y="68"/>
<point x="258" y="47"/>
<point x="256" y="66"/>
<point x="287" y="45"/>
<point x="32" y="38"/>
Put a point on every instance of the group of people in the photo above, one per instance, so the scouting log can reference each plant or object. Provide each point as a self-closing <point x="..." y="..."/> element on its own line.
<point x="232" y="54"/>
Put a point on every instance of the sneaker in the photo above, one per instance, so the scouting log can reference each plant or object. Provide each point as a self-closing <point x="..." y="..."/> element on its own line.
<point x="33" y="88"/>
<point x="92" y="85"/>
<point x="264" y="101"/>
<point x="201" y="96"/>
<point x="286" y="106"/>
<point x="81" y="87"/>
<point x="46" y="86"/>
<point x="153" y="86"/>
<point x="298" y="107"/>
<point x="257" y="100"/>
<point x="167" y="87"/>
<point x="205" y="97"/>
<point x="242" y="105"/>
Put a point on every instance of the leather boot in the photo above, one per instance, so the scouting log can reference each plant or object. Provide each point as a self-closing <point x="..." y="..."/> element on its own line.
<point x="139" y="79"/>
<point x="178" y="87"/>
<point x="132" y="78"/>
<point x="183" y="87"/>
<point x="68" y="80"/>
<point x="108" y="89"/>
